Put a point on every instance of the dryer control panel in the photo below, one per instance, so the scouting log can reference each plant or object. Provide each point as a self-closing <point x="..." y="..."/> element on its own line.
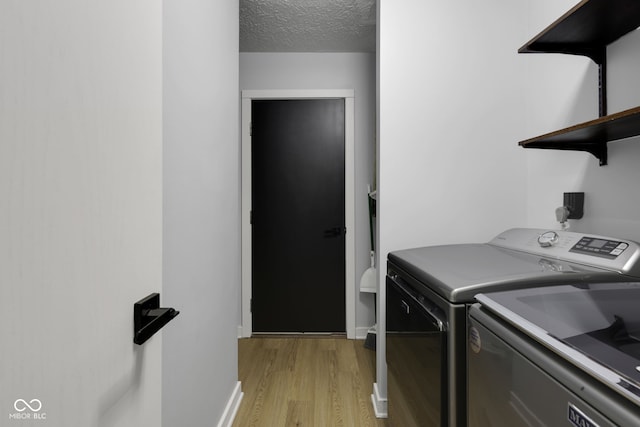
<point x="609" y="253"/>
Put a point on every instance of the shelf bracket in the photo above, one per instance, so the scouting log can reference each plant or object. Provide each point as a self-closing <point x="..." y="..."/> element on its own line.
<point x="599" y="151"/>
<point x="600" y="58"/>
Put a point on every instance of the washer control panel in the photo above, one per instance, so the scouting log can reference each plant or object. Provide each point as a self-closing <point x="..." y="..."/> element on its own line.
<point x="608" y="253"/>
<point x="600" y="247"/>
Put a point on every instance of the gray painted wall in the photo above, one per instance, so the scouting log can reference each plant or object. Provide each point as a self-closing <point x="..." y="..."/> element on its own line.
<point x="262" y="71"/>
<point x="201" y="209"/>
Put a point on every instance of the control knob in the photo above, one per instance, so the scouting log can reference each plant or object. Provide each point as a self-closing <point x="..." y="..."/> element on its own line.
<point x="548" y="239"/>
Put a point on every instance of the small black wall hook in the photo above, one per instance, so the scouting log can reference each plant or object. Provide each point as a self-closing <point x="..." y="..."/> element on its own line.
<point x="149" y="318"/>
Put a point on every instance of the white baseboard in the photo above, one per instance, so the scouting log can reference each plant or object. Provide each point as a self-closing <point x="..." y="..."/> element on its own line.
<point x="379" y="403"/>
<point x="231" y="409"/>
<point x="361" y="332"/>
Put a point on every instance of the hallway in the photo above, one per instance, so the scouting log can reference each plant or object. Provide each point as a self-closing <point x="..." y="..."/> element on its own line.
<point x="300" y="381"/>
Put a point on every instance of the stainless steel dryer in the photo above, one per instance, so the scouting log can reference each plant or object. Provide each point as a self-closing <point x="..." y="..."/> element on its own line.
<point x="430" y="289"/>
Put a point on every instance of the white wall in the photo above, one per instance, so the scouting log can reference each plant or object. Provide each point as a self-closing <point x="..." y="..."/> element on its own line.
<point x="201" y="209"/>
<point x="80" y="210"/>
<point x="564" y="93"/>
<point x="455" y="99"/>
<point x="451" y="100"/>
<point x="262" y="71"/>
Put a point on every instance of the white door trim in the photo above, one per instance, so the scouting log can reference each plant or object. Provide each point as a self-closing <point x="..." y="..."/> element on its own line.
<point x="349" y="203"/>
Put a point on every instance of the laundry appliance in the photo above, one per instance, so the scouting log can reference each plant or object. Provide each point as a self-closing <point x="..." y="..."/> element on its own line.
<point x="429" y="291"/>
<point x="565" y="355"/>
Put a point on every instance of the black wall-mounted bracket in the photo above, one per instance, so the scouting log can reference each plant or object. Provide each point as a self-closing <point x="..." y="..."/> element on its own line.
<point x="602" y="87"/>
<point x="574" y="202"/>
<point x="149" y="318"/>
<point x="599" y="56"/>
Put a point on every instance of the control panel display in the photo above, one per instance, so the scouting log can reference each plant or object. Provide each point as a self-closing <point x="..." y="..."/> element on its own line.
<point x="600" y="247"/>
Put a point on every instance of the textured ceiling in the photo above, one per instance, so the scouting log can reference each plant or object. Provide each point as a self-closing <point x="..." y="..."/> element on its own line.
<point x="307" y="25"/>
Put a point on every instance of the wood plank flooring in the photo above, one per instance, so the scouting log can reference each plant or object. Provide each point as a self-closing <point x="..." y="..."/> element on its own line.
<point x="303" y="381"/>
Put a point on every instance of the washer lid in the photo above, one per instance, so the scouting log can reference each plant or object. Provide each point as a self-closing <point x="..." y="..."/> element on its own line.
<point x="458" y="272"/>
<point x="594" y="326"/>
<point x="518" y="257"/>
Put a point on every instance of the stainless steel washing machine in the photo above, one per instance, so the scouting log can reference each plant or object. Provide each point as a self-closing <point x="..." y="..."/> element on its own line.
<point x="429" y="292"/>
<point x="564" y="355"/>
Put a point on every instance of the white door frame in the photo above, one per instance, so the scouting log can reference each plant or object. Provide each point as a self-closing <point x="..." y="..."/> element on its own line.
<point x="246" y="329"/>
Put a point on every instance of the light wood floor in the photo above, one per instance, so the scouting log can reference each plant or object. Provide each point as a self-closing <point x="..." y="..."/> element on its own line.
<point x="301" y="381"/>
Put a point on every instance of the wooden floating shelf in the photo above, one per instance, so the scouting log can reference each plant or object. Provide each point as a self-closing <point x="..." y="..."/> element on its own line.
<point x="587" y="29"/>
<point x="591" y="136"/>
